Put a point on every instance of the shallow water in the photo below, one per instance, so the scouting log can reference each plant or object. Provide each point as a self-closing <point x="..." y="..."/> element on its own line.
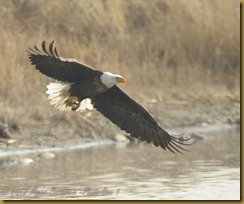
<point x="211" y="170"/>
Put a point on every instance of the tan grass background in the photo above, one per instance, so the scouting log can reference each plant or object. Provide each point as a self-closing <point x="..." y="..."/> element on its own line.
<point x="166" y="49"/>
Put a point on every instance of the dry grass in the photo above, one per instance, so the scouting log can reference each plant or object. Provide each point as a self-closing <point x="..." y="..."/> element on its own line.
<point x="165" y="48"/>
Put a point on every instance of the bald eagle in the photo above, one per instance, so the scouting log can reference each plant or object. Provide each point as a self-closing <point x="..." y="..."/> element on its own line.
<point x="80" y="84"/>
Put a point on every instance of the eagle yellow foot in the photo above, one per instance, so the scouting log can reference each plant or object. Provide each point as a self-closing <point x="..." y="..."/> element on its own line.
<point x="73" y="102"/>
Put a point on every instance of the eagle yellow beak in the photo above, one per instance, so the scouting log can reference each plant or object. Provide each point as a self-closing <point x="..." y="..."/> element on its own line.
<point x="121" y="80"/>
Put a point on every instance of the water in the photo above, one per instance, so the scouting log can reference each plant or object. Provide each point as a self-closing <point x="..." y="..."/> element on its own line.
<point x="211" y="170"/>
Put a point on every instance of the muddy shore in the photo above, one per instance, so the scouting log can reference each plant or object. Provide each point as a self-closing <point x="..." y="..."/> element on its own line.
<point x="68" y="128"/>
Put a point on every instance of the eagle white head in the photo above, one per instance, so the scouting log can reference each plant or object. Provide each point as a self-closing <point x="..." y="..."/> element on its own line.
<point x="109" y="79"/>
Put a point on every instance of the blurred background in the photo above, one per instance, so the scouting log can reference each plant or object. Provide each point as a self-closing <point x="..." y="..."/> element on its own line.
<point x="181" y="59"/>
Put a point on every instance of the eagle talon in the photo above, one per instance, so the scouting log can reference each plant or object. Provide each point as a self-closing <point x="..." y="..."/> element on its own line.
<point x="73" y="103"/>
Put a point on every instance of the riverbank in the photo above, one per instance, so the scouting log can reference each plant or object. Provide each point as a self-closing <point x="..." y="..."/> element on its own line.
<point x="68" y="128"/>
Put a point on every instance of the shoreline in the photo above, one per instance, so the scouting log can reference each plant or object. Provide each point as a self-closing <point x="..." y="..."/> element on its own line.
<point x="62" y="128"/>
<point x="197" y="132"/>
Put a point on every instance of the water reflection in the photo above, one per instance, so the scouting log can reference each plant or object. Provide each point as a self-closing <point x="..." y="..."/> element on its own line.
<point x="135" y="171"/>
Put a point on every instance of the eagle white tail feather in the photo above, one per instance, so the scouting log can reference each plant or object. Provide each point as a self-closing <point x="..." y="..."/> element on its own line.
<point x="58" y="93"/>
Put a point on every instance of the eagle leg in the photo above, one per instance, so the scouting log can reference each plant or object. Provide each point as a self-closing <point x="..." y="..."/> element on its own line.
<point x="73" y="102"/>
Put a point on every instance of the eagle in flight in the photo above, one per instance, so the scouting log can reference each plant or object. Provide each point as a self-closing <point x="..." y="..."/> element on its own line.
<point x="79" y="86"/>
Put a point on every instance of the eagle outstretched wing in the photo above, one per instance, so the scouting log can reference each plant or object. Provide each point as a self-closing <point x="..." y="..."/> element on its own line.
<point x="134" y="119"/>
<point x="48" y="62"/>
